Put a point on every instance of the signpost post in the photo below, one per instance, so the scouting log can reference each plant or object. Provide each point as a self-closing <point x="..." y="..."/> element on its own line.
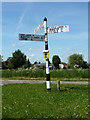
<point x="47" y="59"/>
<point x="34" y="37"/>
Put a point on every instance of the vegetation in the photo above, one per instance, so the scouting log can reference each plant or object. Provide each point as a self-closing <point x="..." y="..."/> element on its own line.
<point x="0" y="58"/>
<point x="76" y="59"/>
<point x="34" y="101"/>
<point x="0" y="61"/>
<point x="56" y="61"/>
<point x="27" y="64"/>
<point x="18" y="60"/>
<point x="37" y="73"/>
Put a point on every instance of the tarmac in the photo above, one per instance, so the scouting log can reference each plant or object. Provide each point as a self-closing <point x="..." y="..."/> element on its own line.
<point x="4" y="82"/>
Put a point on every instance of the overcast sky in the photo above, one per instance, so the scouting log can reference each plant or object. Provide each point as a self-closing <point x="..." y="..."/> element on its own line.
<point x="23" y="17"/>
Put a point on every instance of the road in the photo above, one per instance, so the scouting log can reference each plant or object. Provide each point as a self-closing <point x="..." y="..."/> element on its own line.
<point x="3" y="82"/>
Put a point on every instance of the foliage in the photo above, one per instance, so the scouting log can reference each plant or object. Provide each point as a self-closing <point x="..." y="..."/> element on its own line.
<point x="17" y="60"/>
<point x="75" y="59"/>
<point x="10" y="65"/>
<point x="85" y="65"/>
<point x="35" y="62"/>
<point x="56" y="61"/>
<point x="0" y="58"/>
<point x="0" y="61"/>
<point x="42" y="67"/>
<point x="65" y="73"/>
<point x="27" y="64"/>
<point x="34" y="101"/>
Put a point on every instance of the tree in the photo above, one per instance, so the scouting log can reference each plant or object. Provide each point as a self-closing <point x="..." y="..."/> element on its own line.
<point x="27" y="64"/>
<point x="0" y="61"/>
<point x="76" y="59"/>
<point x="85" y="65"/>
<point x="0" y="58"/>
<point x="56" y="61"/>
<point x="17" y="60"/>
<point x="35" y="62"/>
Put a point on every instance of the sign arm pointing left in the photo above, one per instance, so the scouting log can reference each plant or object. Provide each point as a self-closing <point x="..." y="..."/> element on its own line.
<point x="31" y="37"/>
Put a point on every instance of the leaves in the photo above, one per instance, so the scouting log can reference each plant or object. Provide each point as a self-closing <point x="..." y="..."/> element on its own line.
<point x="76" y="59"/>
<point x="56" y="61"/>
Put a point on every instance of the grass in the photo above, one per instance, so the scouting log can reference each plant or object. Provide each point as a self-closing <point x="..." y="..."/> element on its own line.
<point x="38" y="74"/>
<point x="34" y="101"/>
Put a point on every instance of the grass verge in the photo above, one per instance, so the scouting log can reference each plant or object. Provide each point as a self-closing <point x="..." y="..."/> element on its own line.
<point x="34" y="101"/>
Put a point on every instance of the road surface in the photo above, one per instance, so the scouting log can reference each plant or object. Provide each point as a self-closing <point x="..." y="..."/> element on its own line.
<point x="3" y="82"/>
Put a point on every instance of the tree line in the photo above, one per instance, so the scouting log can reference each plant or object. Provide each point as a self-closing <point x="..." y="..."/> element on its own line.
<point x="18" y="60"/>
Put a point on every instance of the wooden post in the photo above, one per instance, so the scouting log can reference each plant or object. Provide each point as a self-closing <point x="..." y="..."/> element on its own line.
<point x="58" y="85"/>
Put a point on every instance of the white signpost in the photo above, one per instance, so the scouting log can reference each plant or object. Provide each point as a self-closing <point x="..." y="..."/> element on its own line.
<point x="57" y="29"/>
<point x="34" y="37"/>
<point x="40" y="27"/>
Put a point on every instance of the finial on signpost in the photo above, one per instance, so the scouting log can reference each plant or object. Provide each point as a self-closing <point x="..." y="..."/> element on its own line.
<point x="45" y="19"/>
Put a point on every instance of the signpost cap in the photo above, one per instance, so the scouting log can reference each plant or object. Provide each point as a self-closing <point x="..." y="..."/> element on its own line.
<point x="45" y="19"/>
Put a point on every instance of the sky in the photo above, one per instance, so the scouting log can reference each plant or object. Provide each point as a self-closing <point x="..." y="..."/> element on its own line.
<point x="23" y="17"/>
<point x="45" y="0"/>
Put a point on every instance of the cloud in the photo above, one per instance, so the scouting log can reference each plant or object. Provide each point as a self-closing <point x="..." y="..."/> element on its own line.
<point x="13" y="45"/>
<point x="32" y="55"/>
<point x="72" y="49"/>
<point x="30" y="49"/>
<point x="20" y="20"/>
<point x="35" y="49"/>
<point x="17" y="45"/>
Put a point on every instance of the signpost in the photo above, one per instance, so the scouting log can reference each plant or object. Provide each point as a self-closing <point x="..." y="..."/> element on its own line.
<point x="46" y="54"/>
<point x="31" y="37"/>
<point x="40" y="27"/>
<point x="57" y="29"/>
<point x="34" y="37"/>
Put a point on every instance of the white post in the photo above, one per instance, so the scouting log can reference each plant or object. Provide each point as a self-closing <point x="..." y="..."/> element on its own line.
<point x="47" y="59"/>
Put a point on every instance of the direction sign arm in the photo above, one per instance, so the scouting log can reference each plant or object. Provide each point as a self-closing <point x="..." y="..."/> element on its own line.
<point x="31" y="37"/>
<point x="40" y="27"/>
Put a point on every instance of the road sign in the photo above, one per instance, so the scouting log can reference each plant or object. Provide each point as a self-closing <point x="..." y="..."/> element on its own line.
<point x="57" y="29"/>
<point x="45" y="53"/>
<point x="37" y="29"/>
<point x="32" y="37"/>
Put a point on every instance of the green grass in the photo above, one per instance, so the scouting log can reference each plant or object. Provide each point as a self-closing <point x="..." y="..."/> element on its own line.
<point x="59" y="74"/>
<point x="34" y="101"/>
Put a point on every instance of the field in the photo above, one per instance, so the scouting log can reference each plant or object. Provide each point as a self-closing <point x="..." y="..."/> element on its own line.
<point x="37" y="74"/>
<point x="34" y="101"/>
